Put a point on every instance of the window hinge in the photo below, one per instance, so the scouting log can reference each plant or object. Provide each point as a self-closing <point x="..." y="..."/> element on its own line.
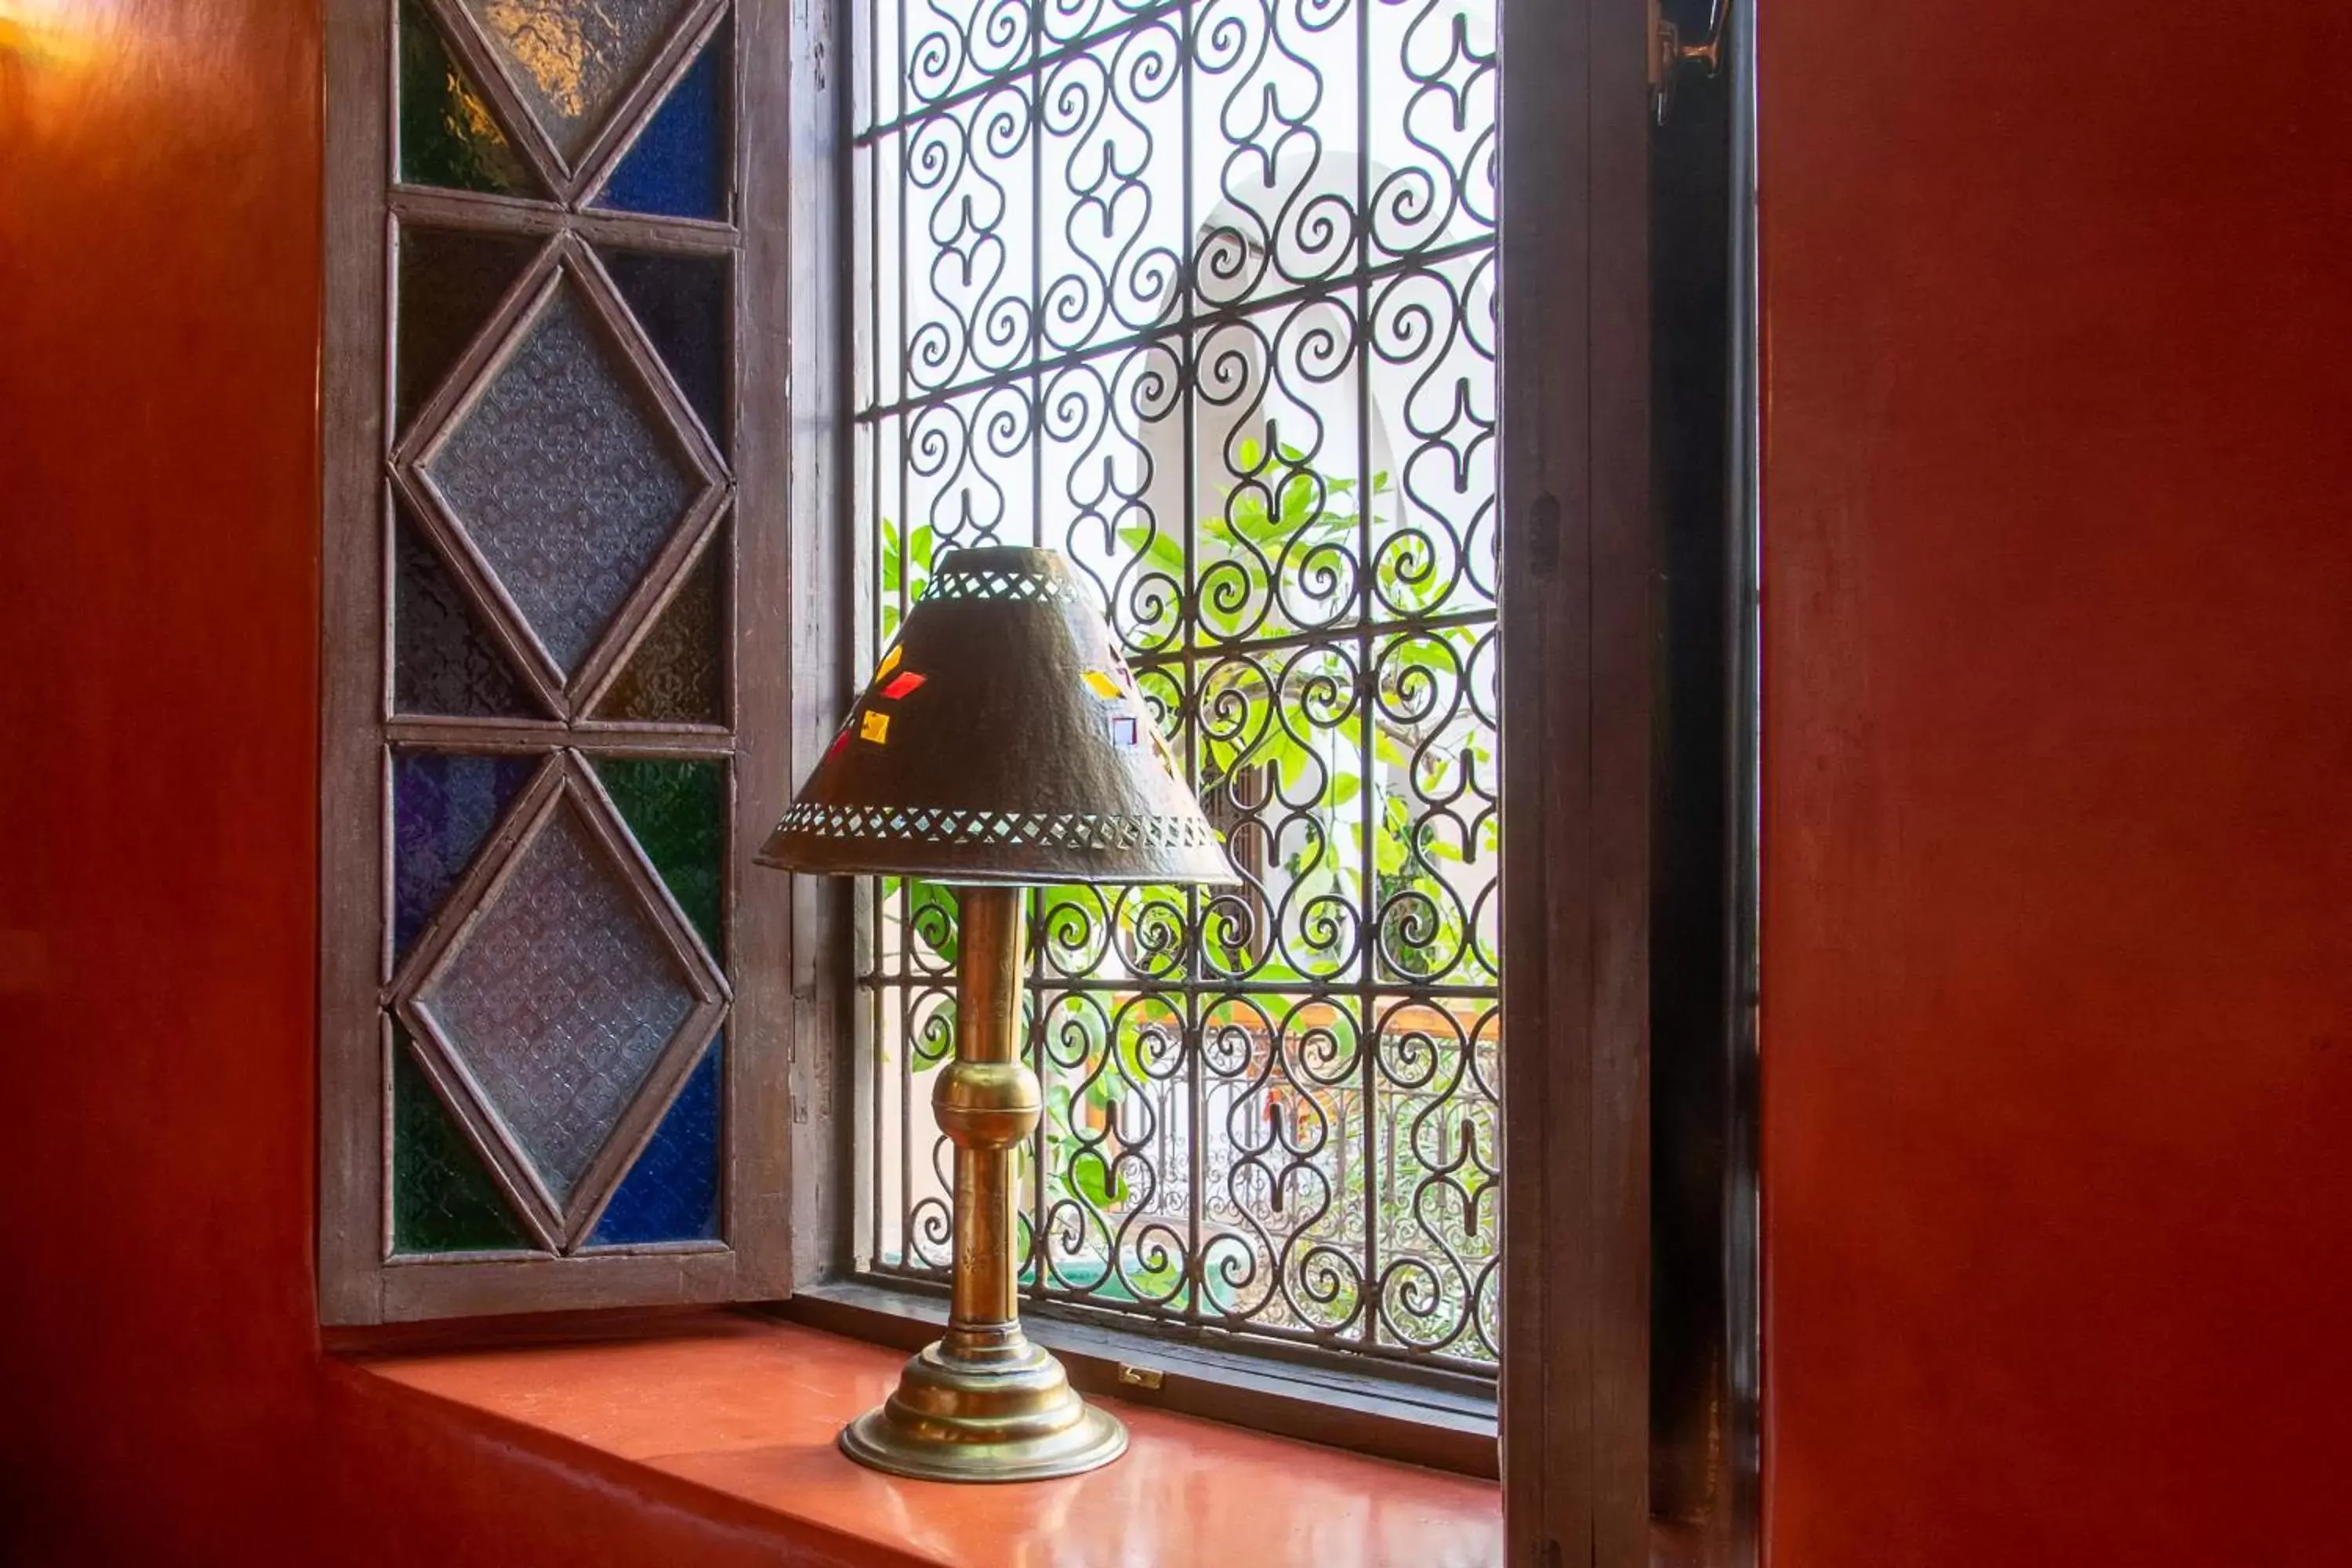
<point x="1135" y="1376"/>
<point x="1669" y="53"/>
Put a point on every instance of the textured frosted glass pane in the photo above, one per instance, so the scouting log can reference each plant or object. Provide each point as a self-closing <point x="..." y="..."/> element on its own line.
<point x="447" y="134"/>
<point x="679" y="164"/>
<point x="675" y="673"/>
<point x="559" y="998"/>
<point x="671" y="1193"/>
<point x="573" y="58"/>
<point x="443" y="662"/>
<point x="443" y="806"/>
<point x="558" y="475"/>
<point x="681" y="302"/>
<point x="443" y="1199"/>
<point x="678" y="809"/>
<point x="450" y="278"/>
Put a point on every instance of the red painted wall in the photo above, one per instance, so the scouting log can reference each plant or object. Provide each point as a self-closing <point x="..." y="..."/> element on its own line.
<point x="163" y="1397"/>
<point x="2058" y="984"/>
<point x="2058" y="806"/>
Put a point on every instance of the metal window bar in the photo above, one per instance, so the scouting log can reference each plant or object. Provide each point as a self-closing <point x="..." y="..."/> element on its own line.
<point x="1202" y="292"/>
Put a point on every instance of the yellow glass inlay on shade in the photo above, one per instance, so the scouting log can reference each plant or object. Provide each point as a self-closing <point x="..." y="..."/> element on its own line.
<point x="889" y="662"/>
<point x="1103" y="685"/>
<point x="875" y="727"/>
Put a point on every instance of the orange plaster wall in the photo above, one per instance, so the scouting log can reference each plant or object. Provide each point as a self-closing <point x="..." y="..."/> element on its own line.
<point x="162" y="1396"/>
<point x="2057" y="895"/>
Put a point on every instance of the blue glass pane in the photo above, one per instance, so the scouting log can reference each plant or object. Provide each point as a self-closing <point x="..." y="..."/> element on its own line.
<point x="678" y="165"/>
<point x="672" y="1192"/>
<point x="443" y="806"/>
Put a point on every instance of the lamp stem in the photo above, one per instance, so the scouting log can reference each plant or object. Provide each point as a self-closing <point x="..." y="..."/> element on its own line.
<point x="983" y="1404"/>
<point x="989" y="1028"/>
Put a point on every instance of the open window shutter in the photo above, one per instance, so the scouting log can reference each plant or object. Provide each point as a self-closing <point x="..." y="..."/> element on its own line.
<point x="551" y="1055"/>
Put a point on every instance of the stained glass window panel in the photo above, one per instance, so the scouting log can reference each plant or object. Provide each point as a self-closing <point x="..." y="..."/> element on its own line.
<point x="448" y="136"/>
<point x="443" y="1198"/>
<point x="677" y="810"/>
<point x="573" y="59"/>
<point x="559" y="997"/>
<point x="678" y="674"/>
<point x="444" y="806"/>
<point x="562" y="479"/>
<point x="538" y="891"/>
<point x="442" y="661"/>
<point x="681" y="302"/>
<point x="677" y="165"/>
<point x="671" y="1192"/>
<point x="450" y="278"/>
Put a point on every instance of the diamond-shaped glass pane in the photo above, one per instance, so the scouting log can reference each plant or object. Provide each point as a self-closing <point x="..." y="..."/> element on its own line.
<point x="559" y="998"/>
<point x="561" y="478"/>
<point x="573" y="58"/>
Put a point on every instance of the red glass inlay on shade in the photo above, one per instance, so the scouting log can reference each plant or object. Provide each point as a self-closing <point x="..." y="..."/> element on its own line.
<point x="906" y="682"/>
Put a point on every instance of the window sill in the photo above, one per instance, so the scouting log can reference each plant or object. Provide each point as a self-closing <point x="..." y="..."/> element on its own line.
<point x="736" y="1414"/>
<point x="1412" y="1415"/>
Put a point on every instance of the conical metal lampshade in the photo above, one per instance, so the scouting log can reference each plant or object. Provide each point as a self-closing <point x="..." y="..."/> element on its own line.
<point x="1002" y="741"/>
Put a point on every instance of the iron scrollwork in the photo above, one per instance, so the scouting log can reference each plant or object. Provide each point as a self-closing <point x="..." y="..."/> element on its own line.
<point x="1202" y="292"/>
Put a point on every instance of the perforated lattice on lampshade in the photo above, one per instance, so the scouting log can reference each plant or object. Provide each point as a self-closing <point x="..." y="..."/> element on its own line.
<point x="1001" y="740"/>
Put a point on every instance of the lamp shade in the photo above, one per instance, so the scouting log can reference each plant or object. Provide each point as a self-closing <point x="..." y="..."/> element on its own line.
<point x="1002" y="741"/>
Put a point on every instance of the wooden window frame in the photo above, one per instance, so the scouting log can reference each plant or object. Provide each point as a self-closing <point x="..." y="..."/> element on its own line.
<point x="1577" y="657"/>
<point x="1575" y="629"/>
<point x="1576" y="647"/>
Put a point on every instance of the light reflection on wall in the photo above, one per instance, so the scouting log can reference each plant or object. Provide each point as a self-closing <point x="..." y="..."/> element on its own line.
<point x="49" y="34"/>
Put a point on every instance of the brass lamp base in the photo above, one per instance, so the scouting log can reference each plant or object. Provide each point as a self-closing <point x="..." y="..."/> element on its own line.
<point x="984" y="1406"/>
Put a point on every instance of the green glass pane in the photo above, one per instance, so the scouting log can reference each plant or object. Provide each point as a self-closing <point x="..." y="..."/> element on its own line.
<point x="675" y="674"/>
<point x="678" y="809"/>
<point x="443" y="1199"/>
<point x="448" y="136"/>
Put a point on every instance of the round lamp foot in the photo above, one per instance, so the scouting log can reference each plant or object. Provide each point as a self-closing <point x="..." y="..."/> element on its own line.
<point x="984" y="1408"/>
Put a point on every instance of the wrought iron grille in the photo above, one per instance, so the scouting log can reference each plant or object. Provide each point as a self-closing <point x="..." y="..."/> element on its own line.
<point x="1202" y="294"/>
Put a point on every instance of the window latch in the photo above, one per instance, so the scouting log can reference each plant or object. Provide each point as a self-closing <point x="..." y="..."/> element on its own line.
<point x="1670" y="53"/>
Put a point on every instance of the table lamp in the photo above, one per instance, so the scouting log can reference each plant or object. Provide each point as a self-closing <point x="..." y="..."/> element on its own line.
<point x="1002" y="742"/>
